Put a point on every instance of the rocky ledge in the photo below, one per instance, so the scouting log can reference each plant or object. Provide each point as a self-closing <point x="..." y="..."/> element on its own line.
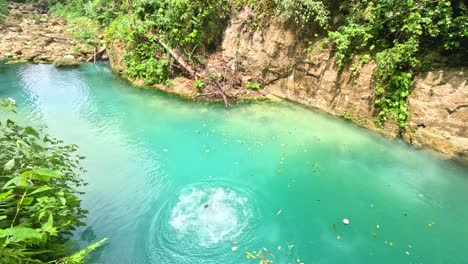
<point x="28" y="35"/>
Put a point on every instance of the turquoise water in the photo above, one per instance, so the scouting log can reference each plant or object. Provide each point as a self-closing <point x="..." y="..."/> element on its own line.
<point x="172" y="181"/>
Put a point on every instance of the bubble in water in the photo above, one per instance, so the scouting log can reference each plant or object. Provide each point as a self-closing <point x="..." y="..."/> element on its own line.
<point x="210" y="215"/>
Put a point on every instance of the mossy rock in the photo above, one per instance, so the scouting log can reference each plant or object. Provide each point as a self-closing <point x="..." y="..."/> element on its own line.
<point x="65" y="62"/>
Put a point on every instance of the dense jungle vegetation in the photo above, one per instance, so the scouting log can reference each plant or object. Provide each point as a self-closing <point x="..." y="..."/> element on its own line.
<point x="401" y="37"/>
<point x="39" y="203"/>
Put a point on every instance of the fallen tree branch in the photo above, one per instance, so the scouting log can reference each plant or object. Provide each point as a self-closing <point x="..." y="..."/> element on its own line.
<point x="96" y="54"/>
<point x="223" y="94"/>
<point x="174" y="53"/>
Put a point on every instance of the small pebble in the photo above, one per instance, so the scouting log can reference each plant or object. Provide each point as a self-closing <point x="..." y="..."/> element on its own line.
<point x="346" y="221"/>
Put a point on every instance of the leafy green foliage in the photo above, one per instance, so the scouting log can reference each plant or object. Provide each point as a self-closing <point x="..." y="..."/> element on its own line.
<point x="190" y="27"/>
<point x="199" y="85"/>
<point x="39" y="208"/>
<point x="84" y="30"/>
<point x="80" y="256"/>
<point x="3" y="9"/>
<point x="397" y="35"/>
<point x="252" y="86"/>
<point x="301" y="12"/>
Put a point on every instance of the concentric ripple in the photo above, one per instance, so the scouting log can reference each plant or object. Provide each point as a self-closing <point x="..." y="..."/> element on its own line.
<point x="203" y="221"/>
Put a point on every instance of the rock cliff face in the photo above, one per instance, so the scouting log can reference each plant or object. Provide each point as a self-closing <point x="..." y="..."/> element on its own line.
<point x="290" y="67"/>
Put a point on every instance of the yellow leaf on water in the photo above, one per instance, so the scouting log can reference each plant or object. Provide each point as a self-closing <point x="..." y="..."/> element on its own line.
<point x="279" y="212"/>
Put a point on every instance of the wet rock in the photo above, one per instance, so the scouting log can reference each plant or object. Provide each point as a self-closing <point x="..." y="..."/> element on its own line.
<point x="31" y="55"/>
<point x="67" y="61"/>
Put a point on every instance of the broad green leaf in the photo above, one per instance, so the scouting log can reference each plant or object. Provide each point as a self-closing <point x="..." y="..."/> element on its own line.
<point x="31" y="131"/>
<point x="2" y="217"/>
<point x="41" y="174"/>
<point x="49" y="224"/>
<point x="28" y="200"/>
<point x="42" y="189"/>
<point x="9" y="165"/>
<point x="17" y="234"/>
<point x="5" y="194"/>
<point x="15" y="181"/>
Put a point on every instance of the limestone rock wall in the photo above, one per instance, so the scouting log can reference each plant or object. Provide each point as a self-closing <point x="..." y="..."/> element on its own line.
<point x="283" y="60"/>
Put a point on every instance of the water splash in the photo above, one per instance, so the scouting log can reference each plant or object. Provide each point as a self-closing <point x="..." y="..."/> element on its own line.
<point x="210" y="215"/>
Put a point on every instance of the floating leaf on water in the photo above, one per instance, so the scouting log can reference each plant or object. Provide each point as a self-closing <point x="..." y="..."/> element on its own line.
<point x="234" y="248"/>
<point x="279" y="247"/>
<point x="374" y="234"/>
<point x="420" y="195"/>
<point x="338" y="237"/>
<point x="298" y="260"/>
<point x="165" y="150"/>
<point x="378" y="226"/>
<point x="279" y="212"/>
<point x="431" y="224"/>
<point x="279" y="171"/>
<point x="390" y="244"/>
<point x="407" y="253"/>
<point x="290" y="246"/>
<point x="268" y="252"/>
<point x="334" y="227"/>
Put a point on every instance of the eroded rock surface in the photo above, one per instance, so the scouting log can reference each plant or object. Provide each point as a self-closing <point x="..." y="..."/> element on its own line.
<point x="289" y="67"/>
<point x="27" y="35"/>
<point x="439" y="112"/>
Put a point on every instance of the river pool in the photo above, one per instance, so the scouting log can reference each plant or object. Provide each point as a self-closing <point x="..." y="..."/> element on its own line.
<point x="179" y="182"/>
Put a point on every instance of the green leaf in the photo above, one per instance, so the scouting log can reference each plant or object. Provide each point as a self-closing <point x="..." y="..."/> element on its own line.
<point x="42" y="189"/>
<point x="31" y="131"/>
<point x="9" y="165"/>
<point x="41" y="174"/>
<point x="15" y="181"/>
<point x="17" y="234"/>
<point x="5" y="194"/>
<point x="28" y="200"/>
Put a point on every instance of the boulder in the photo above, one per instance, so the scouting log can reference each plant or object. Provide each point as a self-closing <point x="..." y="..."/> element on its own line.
<point x="31" y="55"/>
<point x="67" y="61"/>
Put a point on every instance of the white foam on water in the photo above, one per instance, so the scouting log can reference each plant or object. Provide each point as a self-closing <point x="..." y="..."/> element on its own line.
<point x="210" y="215"/>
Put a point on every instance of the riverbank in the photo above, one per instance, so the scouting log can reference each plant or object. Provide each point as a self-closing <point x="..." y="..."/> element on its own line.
<point x="247" y="67"/>
<point x="28" y="34"/>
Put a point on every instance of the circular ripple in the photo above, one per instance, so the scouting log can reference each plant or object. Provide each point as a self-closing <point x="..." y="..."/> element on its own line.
<point x="201" y="223"/>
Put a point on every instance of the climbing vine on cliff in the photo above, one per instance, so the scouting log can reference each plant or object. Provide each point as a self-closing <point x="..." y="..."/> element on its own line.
<point x="399" y="35"/>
